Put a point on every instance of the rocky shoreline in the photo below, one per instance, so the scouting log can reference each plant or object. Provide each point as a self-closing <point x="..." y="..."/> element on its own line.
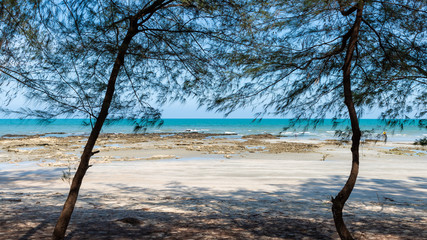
<point x="207" y="186"/>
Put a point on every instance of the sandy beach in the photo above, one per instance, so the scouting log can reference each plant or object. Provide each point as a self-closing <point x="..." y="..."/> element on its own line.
<point x="211" y="186"/>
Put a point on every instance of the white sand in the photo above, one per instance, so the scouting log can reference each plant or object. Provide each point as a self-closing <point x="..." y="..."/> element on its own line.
<point x="389" y="187"/>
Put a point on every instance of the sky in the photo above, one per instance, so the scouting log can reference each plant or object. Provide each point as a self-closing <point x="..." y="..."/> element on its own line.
<point x="174" y="110"/>
<point x="190" y="110"/>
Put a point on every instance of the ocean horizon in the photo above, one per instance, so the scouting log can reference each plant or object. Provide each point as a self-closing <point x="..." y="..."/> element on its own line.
<point x="325" y="129"/>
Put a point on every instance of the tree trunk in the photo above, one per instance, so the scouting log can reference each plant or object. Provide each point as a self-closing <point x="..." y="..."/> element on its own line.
<point x="339" y="201"/>
<point x="64" y="218"/>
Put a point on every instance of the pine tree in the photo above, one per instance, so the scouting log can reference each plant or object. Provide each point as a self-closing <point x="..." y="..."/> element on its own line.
<point x="106" y="59"/>
<point x="312" y="59"/>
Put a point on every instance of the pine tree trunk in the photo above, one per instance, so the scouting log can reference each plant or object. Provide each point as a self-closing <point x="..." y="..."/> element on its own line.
<point x="64" y="218"/>
<point x="339" y="201"/>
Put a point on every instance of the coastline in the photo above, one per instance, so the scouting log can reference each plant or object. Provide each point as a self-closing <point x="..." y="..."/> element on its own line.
<point x="55" y="149"/>
<point x="314" y="129"/>
<point x="210" y="186"/>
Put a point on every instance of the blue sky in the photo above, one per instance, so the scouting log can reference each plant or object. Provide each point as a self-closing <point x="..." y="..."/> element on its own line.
<point x="173" y="110"/>
<point x="190" y="110"/>
<point x="187" y="110"/>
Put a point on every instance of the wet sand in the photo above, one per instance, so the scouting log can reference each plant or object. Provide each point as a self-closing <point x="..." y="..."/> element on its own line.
<point x="202" y="186"/>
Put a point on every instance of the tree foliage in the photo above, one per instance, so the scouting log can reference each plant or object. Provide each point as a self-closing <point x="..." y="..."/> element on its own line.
<point x="113" y="59"/>
<point x="107" y="59"/>
<point x="16" y="27"/>
<point x="309" y="59"/>
<point x="290" y="59"/>
<point x="66" y="64"/>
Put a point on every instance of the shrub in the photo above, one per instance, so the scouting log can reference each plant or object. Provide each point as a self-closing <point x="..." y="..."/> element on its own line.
<point x="422" y="141"/>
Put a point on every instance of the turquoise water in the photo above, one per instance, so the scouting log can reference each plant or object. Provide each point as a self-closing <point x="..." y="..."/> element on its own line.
<point x="326" y="130"/>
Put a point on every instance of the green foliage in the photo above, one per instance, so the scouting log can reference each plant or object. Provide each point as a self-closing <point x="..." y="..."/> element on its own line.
<point x="67" y="174"/>
<point x="285" y="56"/>
<point x="63" y="62"/>
<point x="422" y="141"/>
<point x="290" y="60"/>
<point x="346" y="134"/>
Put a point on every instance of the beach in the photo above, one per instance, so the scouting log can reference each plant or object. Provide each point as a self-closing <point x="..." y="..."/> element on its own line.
<point x="211" y="186"/>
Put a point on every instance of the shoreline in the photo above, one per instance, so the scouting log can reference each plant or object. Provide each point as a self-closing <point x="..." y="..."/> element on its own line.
<point x="131" y="147"/>
<point x="208" y="187"/>
<point x="190" y="141"/>
<point x="325" y="129"/>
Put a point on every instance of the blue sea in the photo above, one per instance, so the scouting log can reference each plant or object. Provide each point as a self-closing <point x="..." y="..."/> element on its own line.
<point x="325" y="130"/>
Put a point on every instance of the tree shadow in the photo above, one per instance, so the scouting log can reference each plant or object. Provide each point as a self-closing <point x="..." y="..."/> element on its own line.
<point x="32" y="231"/>
<point x="394" y="209"/>
<point x="16" y="178"/>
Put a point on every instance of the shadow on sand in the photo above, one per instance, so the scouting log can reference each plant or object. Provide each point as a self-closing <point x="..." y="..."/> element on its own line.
<point x="390" y="208"/>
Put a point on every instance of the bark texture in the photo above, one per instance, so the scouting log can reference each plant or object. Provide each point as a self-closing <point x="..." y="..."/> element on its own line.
<point x="64" y="218"/>
<point x="339" y="201"/>
<point x="134" y="21"/>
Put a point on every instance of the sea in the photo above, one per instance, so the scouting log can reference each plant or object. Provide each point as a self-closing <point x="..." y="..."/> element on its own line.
<point x="408" y="131"/>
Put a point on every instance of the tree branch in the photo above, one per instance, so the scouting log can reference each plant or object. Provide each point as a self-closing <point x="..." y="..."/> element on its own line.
<point x="347" y="12"/>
